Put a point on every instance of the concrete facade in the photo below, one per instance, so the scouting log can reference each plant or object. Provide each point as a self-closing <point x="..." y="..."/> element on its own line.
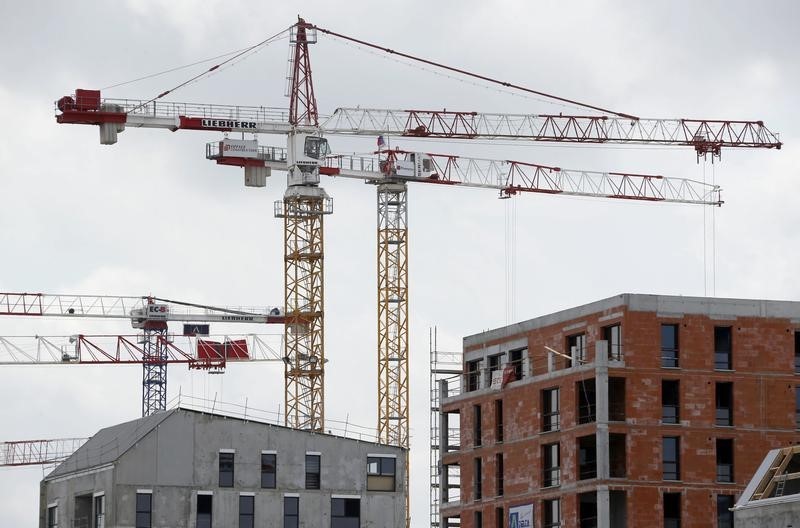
<point x="174" y="457"/>
<point x="612" y="430"/>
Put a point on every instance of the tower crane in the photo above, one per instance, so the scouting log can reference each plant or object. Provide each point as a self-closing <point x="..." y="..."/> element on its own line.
<point x="305" y="203"/>
<point x="154" y="348"/>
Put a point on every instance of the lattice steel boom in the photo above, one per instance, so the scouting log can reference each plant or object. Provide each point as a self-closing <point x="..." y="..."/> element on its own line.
<point x="38" y="452"/>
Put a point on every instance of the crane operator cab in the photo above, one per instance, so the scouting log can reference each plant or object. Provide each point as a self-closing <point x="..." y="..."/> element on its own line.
<point x="306" y="153"/>
<point x="415" y="165"/>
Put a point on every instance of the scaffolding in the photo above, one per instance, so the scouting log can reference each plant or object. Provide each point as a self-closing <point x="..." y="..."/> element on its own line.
<point x="444" y="367"/>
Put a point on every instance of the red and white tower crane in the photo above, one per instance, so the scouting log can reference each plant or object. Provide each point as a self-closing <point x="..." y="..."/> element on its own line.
<point x="154" y="348"/>
<point x="306" y="156"/>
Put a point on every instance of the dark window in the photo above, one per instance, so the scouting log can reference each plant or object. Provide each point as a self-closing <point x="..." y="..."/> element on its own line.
<point x="617" y="455"/>
<point x="268" y="470"/>
<point x="478" y="518"/>
<point x="204" y="511"/>
<point x="670" y="401"/>
<point x="345" y="513"/>
<point x="724" y="515"/>
<point x="797" y="352"/>
<point x="291" y="512"/>
<point x="587" y="408"/>
<point x="498" y="473"/>
<point x="144" y="510"/>
<point x="477" y="429"/>
<point x="552" y="513"/>
<point x="312" y="471"/>
<point x="724" y="460"/>
<point x="551" y="465"/>
<point x="473" y="375"/>
<point x="247" y="511"/>
<point x="587" y="509"/>
<point x="587" y="457"/>
<point x="477" y="480"/>
<point x="498" y="420"/>
<point x="797" y="406"/>
<point x="225" y="470"/>
<point x="515" y="361"/>
<point x="551" y="416"/>
<point x="672" y="510"/>
<point x="723" y="348"/>
<point x="613" y="335"/>
<point x="52" y="517"/>
<point x="724" y="399"/>
<point x="380" y="473"/>
<point x="499" y="518"/>
<point x="616" y="399"/>
<point x="669" y="345"/>
<point x="99" y="511"/>
<point x="671" y="457"/>
<point x="578" y="342"/>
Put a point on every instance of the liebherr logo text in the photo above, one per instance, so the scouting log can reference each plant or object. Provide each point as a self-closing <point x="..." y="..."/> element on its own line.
<point x="236" y="318"/>
<point x="224" y="123"/>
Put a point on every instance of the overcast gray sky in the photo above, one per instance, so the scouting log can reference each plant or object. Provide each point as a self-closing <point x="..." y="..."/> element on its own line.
<point x="151" y="215"/>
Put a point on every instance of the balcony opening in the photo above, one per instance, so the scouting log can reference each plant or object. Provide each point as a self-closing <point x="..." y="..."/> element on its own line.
<point x="670" y="401"/>
<point x="723" y="348"/>
<point x="617" y="455"/>
<point x="724" y="403"/>
<point x="616" y="399"/>
<point x="587" y="457"/>
<point x="587" y="510"/>
<point x="587" y="404"/>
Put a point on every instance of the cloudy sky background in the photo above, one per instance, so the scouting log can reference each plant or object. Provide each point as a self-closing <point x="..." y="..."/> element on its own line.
<point x="151" y="216"/>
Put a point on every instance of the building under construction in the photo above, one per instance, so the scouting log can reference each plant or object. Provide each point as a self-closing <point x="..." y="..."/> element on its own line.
<point x="634" y="410"/>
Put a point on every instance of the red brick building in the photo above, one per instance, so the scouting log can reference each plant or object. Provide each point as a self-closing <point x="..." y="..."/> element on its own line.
<point x="637" y="411"/>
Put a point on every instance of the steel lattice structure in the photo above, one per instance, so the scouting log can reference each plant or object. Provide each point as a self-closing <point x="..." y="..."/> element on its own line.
<point x="36" y="452"/>
<point x="705" y="135"/>
<point x="154" y="371"/>
<point x="305" y="340"/>
<point x="393" y="379"/>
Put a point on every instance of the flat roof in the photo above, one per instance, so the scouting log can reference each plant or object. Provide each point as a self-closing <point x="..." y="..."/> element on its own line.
<point x="638" y="302"/>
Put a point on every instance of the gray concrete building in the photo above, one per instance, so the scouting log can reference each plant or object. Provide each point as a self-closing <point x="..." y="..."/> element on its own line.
<point x="186" y="468"/>
<point x="772" y="498"/>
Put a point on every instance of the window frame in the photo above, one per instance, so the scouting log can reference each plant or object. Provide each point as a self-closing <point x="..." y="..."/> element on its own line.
<point x="725" y="468"/>
<point x="578" y="341"/>
<point x="614" y="349"/>
<point x="267" y="473"/>
<point x="672" y="522"/>
<point x="344" y="509"/>
<point x="52" y="516"/>
<point x="549" y="507"/>
<point x="723" y="416"/>
<point x="551" y="419"/>
<point x="477" y="479"/>
<point x="723" y="507"/>
<point x="676" y="406"/>
<point x="499" y="474"/>
<point x="675" y="464"/>
<point x="723" y="359"/>
<point x="244" y="515"/>
<point x="375" y="479"/>
<point x="310" y="483"/>
<point x="223" y="481"/>
<point x="148" y="511"/>
<point x="287" y="516"/>
<point x="477" y="425"/>
<point x="586" y="398"/>
<point x="670" y="351"/>
<point x="551" y="465"/>
<point x="99" y="514"/>
<point x="587" y="466"/>
<point x="499" y="422"/>
<point x="210" y="513"/>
